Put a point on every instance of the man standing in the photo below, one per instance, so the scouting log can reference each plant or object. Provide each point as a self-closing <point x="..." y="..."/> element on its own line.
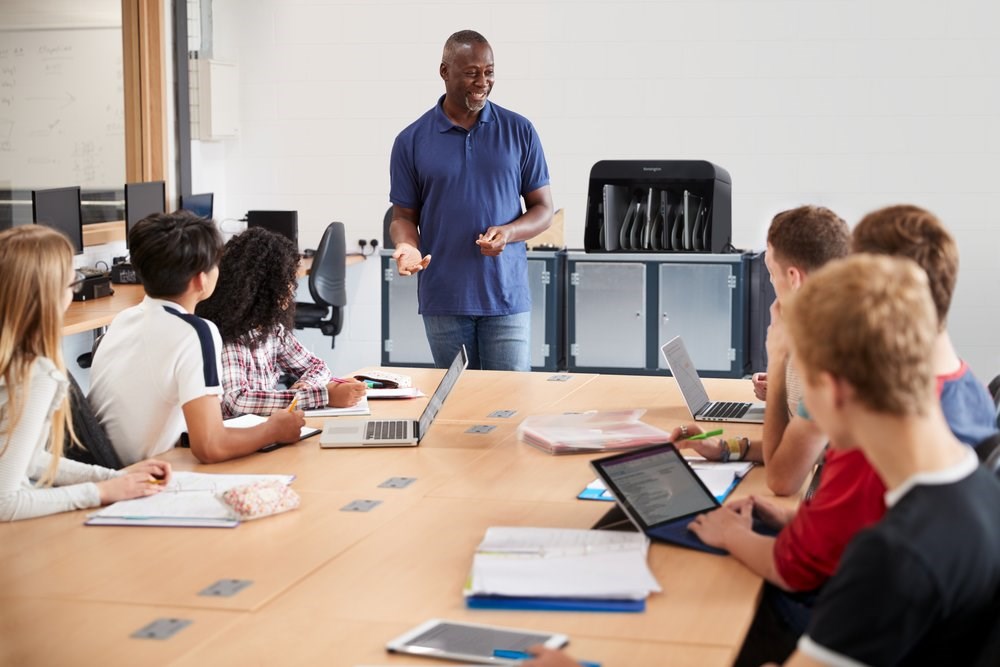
<point x="458" y="175"/>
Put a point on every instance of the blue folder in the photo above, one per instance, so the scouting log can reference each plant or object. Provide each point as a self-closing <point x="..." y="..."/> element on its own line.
<point x="553" y="604"/>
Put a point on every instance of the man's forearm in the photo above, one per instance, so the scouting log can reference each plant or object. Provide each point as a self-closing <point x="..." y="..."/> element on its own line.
<point x="533" y="222"/>
<point x="404" y="231"/>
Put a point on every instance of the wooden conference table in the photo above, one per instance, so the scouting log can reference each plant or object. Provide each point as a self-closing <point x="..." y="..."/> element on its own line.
<point x="331" y="587"/>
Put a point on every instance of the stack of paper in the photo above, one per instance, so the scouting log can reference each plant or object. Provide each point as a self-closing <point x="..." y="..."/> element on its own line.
<point x="190" y="499"/>
<point x="560" y="569"/>
<point x="589" y="431"/>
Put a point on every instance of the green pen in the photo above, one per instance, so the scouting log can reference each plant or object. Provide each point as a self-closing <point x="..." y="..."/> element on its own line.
<point x="702" y="436"/>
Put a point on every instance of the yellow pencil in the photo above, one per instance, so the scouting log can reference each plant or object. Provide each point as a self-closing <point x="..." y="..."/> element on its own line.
<point x="295" y="401"/>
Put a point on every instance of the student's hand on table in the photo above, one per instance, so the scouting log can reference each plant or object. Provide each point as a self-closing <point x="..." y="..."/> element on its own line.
<point x="155" y="468"/>
<point x="711" y="448"/>
<point x="713" y="527"/>
<point x="345" y="394"/>
<point x="409" y="260"/>
<point x="287" y="425"/>
<point x="128" y="486"/>
<point x="547" y="657"/>
<point x="759" y="381"/>
<point x="492" y="242"/>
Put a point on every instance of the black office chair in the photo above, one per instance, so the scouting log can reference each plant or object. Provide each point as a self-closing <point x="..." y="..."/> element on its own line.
<point x="326" y="286"/>
<point x="386" y="237"/>
<point x="95" y="447"/>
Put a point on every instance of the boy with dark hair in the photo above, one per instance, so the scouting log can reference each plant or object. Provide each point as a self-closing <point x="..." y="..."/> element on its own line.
<point x="156" y="372"/>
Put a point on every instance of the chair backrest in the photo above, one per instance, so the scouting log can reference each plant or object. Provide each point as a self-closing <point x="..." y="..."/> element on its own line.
<point x="97" y="448"/>
<point x="327" y="278"/>
<point x="988" y="452"/>
<point x="386" y="237"/>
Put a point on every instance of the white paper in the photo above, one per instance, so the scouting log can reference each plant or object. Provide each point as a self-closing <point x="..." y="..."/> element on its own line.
<point x="399" y="392"/>
<point x="203" y="481"/>
<point x="360" y="409"/>
<point x="167" y="505"/>
<point x="562" y="563"/>
<point x="249" y="421"/>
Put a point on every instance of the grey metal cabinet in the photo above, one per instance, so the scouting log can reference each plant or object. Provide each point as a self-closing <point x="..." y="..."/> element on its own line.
<point x="623" y="307"/>
<point x="405" y="344"/>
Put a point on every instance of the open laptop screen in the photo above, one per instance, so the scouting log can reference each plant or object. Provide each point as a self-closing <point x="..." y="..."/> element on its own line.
<point x="655" y="485"/>
<point x="442" y="391"/>
<point x="679" y="361"/>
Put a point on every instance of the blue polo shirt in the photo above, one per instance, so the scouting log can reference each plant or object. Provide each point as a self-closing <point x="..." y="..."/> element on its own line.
<point x="462" y="182"/>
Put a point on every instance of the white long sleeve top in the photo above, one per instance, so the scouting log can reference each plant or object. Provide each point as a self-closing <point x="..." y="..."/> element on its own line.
<point x="23" y="456"/>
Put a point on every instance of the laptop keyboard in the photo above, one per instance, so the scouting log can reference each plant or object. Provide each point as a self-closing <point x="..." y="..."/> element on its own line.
<point x="386" y="430"/>
<point x="726" y="410"/>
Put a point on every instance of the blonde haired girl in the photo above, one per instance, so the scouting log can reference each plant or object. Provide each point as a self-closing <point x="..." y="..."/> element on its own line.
<point x="36" y="287"/>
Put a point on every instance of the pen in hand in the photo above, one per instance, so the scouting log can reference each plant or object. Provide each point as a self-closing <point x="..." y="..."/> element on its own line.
<point x="702" y="436"/>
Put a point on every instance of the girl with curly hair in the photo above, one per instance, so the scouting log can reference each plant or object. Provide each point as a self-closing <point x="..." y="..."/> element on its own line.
<point x="254" y="308"/>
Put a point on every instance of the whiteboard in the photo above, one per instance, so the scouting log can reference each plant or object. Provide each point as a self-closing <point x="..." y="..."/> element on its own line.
<point x="62" y="117"/>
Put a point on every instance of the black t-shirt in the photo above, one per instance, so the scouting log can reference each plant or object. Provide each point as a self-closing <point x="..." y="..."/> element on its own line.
<point x="921" y="587"/>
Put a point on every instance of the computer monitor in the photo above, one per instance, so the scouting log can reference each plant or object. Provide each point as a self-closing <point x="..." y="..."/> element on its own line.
<point x="201" y="205"/>
<point x="59" y="208"/>
<point x="285" y="223"/>
<point x="143" y="200"/>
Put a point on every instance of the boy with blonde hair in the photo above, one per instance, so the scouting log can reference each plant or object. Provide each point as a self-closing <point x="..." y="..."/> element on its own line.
<point x="921" y="585"/>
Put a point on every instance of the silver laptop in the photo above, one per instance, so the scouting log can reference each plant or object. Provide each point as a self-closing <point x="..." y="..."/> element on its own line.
<point x="393" y="432"/>
<point x="693" y="390"/>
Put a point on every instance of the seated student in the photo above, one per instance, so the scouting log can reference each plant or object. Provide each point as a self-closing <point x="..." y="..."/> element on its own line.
<point x="36" y="287"/>
<point x="156" y="373"/>
<point x="799" y="241"/>
<point x="909" y="231"/>
<point x="921" y="585"/>
<point x="850" y="494"/>
<point x="254" y="307"/>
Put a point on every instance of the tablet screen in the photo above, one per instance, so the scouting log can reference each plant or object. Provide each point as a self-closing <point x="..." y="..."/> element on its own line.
<point x="467" y="641"/>
<point x="656" y="484"/>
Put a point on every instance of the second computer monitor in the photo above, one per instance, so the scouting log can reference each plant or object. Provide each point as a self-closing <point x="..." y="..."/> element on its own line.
<point x="201" y="205"/>
<point x="143" y="200"/>
<point x="285" y="223"/>
<point x="59" y="208"/>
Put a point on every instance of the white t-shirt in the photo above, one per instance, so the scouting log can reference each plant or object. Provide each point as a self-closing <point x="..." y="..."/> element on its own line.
<point x="154" y="358"/>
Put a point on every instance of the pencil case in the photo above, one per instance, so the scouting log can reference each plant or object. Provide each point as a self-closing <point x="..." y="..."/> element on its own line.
<point x="386" y="380"/>
<point x="260" y="499"/>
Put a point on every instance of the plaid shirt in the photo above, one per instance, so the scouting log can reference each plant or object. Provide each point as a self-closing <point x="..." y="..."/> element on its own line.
<point x="249" y="377"/>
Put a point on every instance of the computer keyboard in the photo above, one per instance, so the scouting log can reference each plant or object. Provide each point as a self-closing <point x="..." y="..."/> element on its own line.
<point x="726" y="410"/>
<point x="386" y="430"/>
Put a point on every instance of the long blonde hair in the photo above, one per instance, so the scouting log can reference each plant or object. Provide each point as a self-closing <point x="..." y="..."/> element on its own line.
<point x="35" y="264"/>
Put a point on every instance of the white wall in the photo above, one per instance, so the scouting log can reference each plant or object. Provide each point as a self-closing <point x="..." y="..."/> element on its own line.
<point x="853" y="104"/>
